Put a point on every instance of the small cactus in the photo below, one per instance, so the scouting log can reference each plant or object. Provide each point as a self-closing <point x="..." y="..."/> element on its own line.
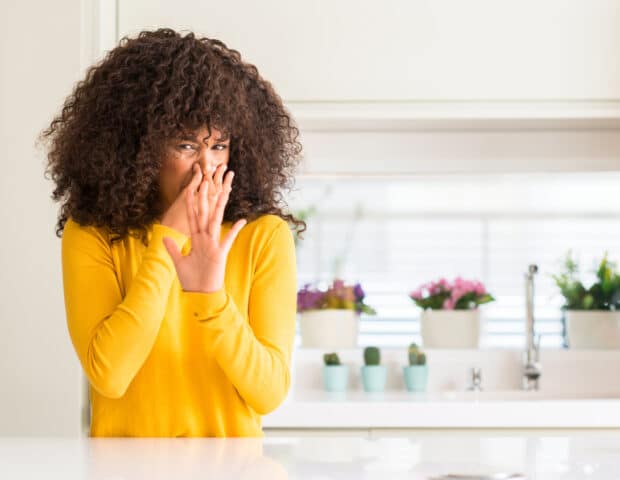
<point x="331" y="359"/>
<point x="416" y="357"/>
<point x="422" y="359"/>
<point x="372" y="356"/>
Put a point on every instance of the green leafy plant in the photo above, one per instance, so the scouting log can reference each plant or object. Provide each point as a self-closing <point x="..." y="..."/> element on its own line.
<point x="416" y="356"/>
<point x="372" y="356"/>
<point x="331" y="359"/>
<point x="603" y="294"/>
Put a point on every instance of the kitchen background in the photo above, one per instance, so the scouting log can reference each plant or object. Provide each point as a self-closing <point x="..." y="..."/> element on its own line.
<point x="440" y="139"/>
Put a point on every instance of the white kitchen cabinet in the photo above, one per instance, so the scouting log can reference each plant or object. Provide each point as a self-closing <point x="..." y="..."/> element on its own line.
<point x="417" y="64"/>
<point x="404" y="50"/>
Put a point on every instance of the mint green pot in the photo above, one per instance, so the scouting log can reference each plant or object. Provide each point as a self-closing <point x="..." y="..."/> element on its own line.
<point x="374" y="377"/>
<point x="335" y="377"/>
<point x="416" y="377"/>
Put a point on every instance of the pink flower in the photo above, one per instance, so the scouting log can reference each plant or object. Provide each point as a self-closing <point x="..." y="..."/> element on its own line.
<point x="438" y="287"/>
<point x="456" y="294"/>
<point x="416" y="294"/>
<point x="463" y="285"/>
<point x="448" y="304"/>
<point x="426" y="294"/>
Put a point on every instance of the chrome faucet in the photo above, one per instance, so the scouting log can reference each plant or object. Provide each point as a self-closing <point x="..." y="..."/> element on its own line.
<point x="531" y="356"/>
<point x="476" y="380"/>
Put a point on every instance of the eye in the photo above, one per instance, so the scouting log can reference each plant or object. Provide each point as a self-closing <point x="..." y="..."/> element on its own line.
<point x="184" y="145"/>
<point x="223" y="146"/>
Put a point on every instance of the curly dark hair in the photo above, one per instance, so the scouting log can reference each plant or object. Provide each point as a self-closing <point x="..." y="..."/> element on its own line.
<point x="106" y="146"/>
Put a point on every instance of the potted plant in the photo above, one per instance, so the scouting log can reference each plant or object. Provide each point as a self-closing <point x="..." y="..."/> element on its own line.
<point x="592" y="314"/>
<point x="335" y="375"/>
<point x="374" y="375"/>
<point x="450" y="316"/>
<point x="416" y="373"/>
<point x="330" y="318"/>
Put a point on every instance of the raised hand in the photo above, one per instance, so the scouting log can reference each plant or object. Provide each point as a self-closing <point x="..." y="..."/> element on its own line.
<point x="203" y="269"/>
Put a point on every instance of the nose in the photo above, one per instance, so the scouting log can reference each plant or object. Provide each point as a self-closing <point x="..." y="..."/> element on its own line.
<point x="207" y="163"/>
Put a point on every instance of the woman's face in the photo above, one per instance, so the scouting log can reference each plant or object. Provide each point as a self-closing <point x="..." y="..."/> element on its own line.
<point x="207" y="149"/>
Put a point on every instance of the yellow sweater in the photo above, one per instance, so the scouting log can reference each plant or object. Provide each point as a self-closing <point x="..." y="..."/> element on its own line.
<point x="165" y="362"/>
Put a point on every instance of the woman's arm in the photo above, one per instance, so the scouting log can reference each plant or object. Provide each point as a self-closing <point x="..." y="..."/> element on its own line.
<point x="113" y="335"/>
<point x="255" y="356"/>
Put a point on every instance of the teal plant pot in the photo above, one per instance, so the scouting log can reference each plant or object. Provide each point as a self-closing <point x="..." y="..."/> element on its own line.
<point x="335" y="377"/>
<point x="374" y="378"/>
<point x="416" y="377"/>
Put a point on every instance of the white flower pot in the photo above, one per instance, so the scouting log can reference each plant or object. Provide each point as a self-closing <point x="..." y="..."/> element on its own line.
<point x="329" y="328"/>
<point x="593" y="328"/>
<point x="450" y="328"/>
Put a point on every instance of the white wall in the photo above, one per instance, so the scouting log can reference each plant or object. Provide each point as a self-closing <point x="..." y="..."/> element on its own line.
<point x="39" y="372"/>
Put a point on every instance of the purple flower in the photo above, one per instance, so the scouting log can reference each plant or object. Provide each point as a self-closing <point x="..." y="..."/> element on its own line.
<point x="338" y="295"/>
<point x="358" y="291"/>
<point x="307" y="298"/>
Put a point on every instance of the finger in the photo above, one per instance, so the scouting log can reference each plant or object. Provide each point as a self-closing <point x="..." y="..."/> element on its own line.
<point x="191" y="211"/>
<point x="173" y="250"/>
<point x="196" y="178"/>
<point x="220" y="205"/>
<point x="219" y="175"/>
<point x="232" y="234"/>
<point x="203" y="204"/>
<point x="213" y="190"/>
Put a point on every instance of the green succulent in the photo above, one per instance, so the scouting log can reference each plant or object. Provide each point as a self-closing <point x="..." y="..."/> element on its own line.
<point x="416" y="356"/>
<point x="372" y="356"/>
<point x="331" y="359"/>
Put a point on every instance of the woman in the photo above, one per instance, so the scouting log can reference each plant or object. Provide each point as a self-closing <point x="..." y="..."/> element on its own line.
<point x="179" y="285"/>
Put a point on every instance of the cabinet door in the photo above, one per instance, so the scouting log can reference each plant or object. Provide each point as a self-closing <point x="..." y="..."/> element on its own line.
<point x="407" y="50"/>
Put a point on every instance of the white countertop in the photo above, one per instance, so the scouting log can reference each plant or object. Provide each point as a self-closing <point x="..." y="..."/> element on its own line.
<point x="586" y="455"/>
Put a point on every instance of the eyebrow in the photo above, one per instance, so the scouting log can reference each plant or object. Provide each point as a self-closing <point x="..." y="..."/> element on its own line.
<point x="190" y="136"/>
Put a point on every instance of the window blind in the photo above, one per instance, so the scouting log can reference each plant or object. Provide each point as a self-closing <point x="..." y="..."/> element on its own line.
<point x="392" y="235"/>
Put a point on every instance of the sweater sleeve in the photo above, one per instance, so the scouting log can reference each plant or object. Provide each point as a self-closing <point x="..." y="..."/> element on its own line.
<point x="255" y="354"/>
<point x="113" y="335"/>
